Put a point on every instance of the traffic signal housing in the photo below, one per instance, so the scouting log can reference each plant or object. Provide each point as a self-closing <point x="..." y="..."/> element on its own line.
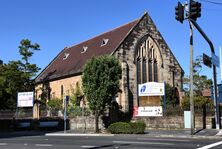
<point x="194" y="10"/>
<point x="179" y="12"/>
<point x="207" y="60"/>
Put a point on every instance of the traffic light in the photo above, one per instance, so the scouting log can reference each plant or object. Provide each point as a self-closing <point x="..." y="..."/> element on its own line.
<point x="207" y="60"/>
<point x="194" y="10"/>
<point x="179" y="12"/>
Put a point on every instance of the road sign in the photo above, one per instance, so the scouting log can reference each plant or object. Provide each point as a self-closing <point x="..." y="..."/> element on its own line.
<point x="215" y="60"/>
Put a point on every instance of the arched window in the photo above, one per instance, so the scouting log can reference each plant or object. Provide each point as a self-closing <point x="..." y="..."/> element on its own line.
<point x="138" y="70"/>
<point x="144" y="70"/>
<point x="147" y="62"/>
<point x="62" y="91"/>
<point x="150" y="70"/>
<point x="155" y="71"/>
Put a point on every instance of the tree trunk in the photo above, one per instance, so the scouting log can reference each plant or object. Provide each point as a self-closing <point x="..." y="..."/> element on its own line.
<point x="96" y="122"/>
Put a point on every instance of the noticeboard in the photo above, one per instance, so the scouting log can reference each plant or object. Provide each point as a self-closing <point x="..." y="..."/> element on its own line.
<point x="151" y="89"/>
<point x="149" y="111"/>
<point x="25" y="99"/>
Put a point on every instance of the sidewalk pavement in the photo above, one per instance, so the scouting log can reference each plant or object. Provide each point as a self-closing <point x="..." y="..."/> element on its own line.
<point x="205" y="133"/>
<point x="184" y="133"/>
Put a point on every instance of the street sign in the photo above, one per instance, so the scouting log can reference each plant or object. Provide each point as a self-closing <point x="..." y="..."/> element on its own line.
<point x="215" y="60"/>
<point x="207" y="60"/>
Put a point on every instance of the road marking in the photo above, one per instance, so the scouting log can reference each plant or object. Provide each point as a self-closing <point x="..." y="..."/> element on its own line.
<point x="3" y="144"/>
<point x="211" y="145"/>
<point x="152" y="139"/>
<point x="87" y="146"/>
<point x="134" y="142"/>
<point x="44" y="145"/>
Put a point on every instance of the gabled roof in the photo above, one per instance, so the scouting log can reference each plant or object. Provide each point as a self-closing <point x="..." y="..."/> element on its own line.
<point x="70" y="61"/>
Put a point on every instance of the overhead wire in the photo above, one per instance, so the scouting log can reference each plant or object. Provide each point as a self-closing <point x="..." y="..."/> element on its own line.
<point x="212" y="2"/>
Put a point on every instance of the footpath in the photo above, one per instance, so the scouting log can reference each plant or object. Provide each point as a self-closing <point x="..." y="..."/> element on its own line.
<point x="205" y="133"/>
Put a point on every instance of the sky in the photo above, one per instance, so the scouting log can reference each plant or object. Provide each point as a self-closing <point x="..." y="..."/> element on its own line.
<point x="55" y="24"/>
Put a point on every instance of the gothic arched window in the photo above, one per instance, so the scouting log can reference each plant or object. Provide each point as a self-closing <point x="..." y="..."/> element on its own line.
<point x="147" y="62"/>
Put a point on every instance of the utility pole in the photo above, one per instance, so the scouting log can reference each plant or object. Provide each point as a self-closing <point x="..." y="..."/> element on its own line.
<point x="216" y="105"/>
<point x="191" y="82"/>
<point x="192" y="14"/>
<point x="220" y="65"/>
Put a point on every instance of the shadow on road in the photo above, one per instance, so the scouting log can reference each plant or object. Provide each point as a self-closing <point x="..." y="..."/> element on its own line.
<point x="13" y="134"/>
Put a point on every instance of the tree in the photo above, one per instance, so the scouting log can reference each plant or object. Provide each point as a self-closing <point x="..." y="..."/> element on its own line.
<point x="76" y="95"/>
<point x="200" y="82"/>
<point x="17" y="76"/>
<point x="26" y="50"/>
<point x="100" y="82"/>
<point x="171" y="98"/>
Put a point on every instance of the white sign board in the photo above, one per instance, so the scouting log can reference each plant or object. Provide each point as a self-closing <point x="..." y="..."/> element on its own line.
<point x="25" y="99"/>
<point x="151" y="89"/>
<point x="150" y="111"/>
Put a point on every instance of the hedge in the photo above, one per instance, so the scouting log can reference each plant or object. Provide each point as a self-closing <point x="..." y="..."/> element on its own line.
<point x="127" y="128"/>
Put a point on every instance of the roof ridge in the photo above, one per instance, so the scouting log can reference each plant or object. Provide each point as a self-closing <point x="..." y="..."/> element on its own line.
<point x="103" y="33"/>
<point x="138" y="21"/>
<point x="122" y="31"/>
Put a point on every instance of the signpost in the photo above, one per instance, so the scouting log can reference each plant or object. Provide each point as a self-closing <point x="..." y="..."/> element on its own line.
<point x="151" y="89"/>
<point x="215" y="60"/>
<point x="66" y="101"/>
<point x="150" y="111"/>
<point x="25" y="99"/>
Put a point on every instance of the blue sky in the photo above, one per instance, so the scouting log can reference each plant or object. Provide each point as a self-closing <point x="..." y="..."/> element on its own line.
<point x="55" y="24"/>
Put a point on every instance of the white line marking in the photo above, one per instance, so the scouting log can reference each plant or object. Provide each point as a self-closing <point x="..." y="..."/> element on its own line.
<point x="211" y="145"/>
<point x="44" y="145"/>
<point x="133" y="142"/>
<point x="87" y="146"/>
<point x="3" y="144"/>
<point x="147" y="139"/>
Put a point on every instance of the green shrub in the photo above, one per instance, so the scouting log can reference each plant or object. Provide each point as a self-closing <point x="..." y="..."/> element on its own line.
<point x="127" y="128"/>
<point x="199" y="101"/>
<point x="120" y="127"/>
<point x="55" y="104"/>
<point x="138" y="127"/>
<point x="74" y="111"/>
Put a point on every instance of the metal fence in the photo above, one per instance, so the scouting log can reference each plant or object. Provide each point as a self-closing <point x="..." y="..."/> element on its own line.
<point x="177" y="110"/>
<point x="28" y="112"/>
<point x="19" y="113"/>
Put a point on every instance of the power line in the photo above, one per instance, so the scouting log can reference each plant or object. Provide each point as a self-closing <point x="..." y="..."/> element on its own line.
<point x="212" y="2"/>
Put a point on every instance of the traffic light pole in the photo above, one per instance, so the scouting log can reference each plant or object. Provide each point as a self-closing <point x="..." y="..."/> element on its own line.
<point x="191" y="81"/>
<point x="216" y="106"/>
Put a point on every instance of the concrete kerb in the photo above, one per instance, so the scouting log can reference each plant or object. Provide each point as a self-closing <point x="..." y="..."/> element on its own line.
<point x="185" y="136"/>
<point x="154" y="133"/>
<point x="142" y="135"/>
<point x="79" y="134"/>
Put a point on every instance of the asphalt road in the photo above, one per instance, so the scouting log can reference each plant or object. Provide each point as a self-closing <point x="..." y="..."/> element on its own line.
<point x="108" y="142"/>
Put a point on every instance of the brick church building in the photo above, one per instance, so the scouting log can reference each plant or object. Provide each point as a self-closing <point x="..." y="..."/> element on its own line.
<point x="143" y="53"/>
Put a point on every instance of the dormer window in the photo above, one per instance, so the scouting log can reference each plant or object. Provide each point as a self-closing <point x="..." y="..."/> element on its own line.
<point x="104" y="42"/>
<point x="66" y="55"/>
<point x="84" y="49"/>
